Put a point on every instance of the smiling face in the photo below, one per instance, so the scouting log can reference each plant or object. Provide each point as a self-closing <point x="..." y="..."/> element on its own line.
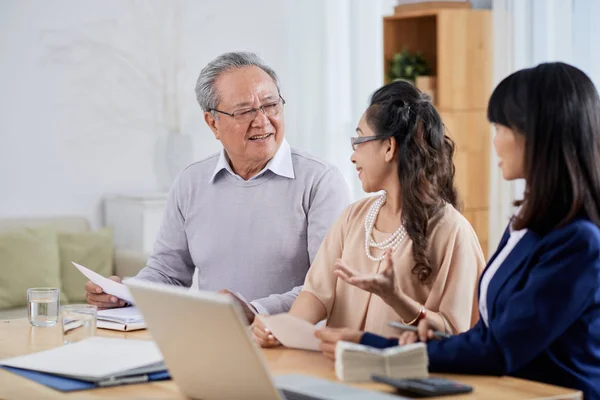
<point x="374" y="160"/>
<point x="510" y="148"/>
<point x="255" y="142"/>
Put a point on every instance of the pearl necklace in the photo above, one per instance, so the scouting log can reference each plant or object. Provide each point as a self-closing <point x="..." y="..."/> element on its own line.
<point x="391" y="242"/>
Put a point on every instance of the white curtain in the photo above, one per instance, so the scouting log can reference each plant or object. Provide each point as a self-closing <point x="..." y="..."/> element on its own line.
<point x="335" y="63"/>
<point x="526" y="33"/>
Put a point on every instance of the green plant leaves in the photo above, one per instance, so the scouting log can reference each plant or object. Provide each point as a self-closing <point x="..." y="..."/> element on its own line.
<point x="406" y="65"/>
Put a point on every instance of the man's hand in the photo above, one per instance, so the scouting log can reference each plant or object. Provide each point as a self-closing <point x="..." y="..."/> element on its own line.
<point x="330" y="336"/>
<point x="248" y="312"/>
<point x="95" y="296"/>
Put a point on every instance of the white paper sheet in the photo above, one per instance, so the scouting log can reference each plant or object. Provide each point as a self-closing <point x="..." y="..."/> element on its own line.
<point x="292" y="332"/>
<point x="123" y="314"/>
<point x="109" y="286"/>
<point x="95" y="357"/>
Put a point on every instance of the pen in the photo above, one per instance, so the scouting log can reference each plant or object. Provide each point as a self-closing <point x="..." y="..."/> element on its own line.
<point x="436" y="334"/>
<point x="123" y="380"/>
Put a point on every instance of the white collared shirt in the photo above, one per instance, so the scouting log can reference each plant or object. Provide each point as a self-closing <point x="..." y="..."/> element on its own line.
<point x="513" y="240"/>
<point x="281" y="164"/>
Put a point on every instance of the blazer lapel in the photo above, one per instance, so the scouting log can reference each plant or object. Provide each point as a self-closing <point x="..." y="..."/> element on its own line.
<point x="503" y="242"/>
<point x="510" y="265"/>
<point x="501" y="245"/>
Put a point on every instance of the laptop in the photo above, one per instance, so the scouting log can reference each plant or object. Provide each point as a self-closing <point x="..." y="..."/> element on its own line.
<point x="210" y="354"/>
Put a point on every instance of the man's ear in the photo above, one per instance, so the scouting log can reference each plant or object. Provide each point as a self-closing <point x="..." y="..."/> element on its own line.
<point x="391" y="148"/>
<point x="211" y="121"/>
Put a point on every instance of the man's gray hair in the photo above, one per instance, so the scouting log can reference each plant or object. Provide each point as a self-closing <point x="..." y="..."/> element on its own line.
<point x="206" y="93"/>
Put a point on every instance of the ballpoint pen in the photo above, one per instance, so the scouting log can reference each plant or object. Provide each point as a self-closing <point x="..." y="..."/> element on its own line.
<point x="436" y="334"/>
<point x="124" y="380"/>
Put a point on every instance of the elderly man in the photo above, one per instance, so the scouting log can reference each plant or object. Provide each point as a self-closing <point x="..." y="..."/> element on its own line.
<point x="252" y="217"/>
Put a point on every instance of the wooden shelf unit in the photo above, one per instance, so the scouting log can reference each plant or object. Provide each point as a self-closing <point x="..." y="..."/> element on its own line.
<point x="457" y="43"/>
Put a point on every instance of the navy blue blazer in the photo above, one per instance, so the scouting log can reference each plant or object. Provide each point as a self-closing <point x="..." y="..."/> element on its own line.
<point x="543" y="313"/>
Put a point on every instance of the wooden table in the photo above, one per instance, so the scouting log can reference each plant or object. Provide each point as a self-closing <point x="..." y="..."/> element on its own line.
<point x="17" y="337"/>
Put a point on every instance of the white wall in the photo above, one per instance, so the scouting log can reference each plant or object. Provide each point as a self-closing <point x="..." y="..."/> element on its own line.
<point x="81" y="116"/>
<point x="526" y="33"/>
<point x="76" y="120"/>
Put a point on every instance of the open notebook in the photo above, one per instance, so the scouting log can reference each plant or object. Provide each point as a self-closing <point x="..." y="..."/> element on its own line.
<point x="96" y="361"/>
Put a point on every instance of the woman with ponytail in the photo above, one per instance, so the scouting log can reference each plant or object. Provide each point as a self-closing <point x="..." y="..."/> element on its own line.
<point x="539" y="296"/>
<point x="405" y="254"/>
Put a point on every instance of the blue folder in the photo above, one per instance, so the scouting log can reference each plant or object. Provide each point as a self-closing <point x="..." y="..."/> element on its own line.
<point x="69" y="384"/>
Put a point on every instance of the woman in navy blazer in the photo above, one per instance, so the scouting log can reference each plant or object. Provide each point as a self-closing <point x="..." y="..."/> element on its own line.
<point x="540" y="293"/>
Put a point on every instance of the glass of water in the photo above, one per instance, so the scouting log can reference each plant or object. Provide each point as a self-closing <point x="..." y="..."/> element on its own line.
<point x="78" y="322"/>
<point x="42" y="306"/>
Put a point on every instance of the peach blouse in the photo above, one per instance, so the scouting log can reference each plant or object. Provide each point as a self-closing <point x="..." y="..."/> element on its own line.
<point x="453" y="250"/>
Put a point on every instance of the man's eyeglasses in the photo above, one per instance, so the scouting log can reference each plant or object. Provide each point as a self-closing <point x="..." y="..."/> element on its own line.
<point x="244" y="116"/>
<point x="356" y="140"/>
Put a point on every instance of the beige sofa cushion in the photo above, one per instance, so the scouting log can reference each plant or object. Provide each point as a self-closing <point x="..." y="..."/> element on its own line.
<point x="29" y="257"/>
<point x="60" y="224"/>
<point x="93" y="250"/>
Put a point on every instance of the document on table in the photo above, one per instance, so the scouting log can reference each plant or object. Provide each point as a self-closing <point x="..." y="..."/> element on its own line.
<point x="109" y="286"/>
<point x="292" y="332"/>
<point x="93" y="359"/>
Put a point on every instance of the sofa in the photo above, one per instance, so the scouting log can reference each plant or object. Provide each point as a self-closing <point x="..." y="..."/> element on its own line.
<point x="67" y="230"/>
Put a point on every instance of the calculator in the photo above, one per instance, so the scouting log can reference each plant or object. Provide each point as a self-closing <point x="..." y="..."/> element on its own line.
<point x="424" y="387"/>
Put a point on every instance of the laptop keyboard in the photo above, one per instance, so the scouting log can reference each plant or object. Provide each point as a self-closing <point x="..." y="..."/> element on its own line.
<point x="291" y="395"/>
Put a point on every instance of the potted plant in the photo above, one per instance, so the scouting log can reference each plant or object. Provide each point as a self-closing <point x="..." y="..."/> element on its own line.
<point x="412" y="67"/>
<point x="406" y="65"/>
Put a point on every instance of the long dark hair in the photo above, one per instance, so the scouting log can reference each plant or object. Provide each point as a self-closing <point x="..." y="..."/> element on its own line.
<point x="425" y="166"/>
<point x="556" y="107"/>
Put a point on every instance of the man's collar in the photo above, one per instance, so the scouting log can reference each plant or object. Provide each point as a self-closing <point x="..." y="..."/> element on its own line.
<point x="281" y="164"/>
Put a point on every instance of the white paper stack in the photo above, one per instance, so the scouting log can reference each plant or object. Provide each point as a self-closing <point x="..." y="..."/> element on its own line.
<point x="121" y="319"/>
<point x="357" y="363"/>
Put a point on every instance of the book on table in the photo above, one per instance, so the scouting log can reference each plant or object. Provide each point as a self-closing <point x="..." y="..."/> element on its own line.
<point x="358" y="363"/>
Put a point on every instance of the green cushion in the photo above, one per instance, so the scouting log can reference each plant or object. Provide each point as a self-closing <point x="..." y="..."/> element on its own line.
<point x="93" y="250"/>
<point x="28" y="258"/>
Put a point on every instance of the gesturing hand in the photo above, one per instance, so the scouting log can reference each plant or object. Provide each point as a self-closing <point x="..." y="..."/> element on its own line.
<point x="383" y="283"/>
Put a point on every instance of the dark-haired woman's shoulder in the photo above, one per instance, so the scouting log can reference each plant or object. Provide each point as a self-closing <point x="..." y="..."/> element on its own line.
<point x="363" y="204"/>
<point x="356" y="212"/>
<point x="580" y="235"/>
<point x="448" y="219"/>
<point x="449" y="229"/>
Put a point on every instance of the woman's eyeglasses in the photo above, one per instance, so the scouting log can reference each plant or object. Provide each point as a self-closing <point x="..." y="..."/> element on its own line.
<point x="356" y="140"/>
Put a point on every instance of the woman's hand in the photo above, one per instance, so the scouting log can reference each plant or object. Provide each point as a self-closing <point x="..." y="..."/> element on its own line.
<point x="330" y="336"/>
<point x="261" y="334"/>
<point x="424" y="334"/>
<point x="383" y="283"/>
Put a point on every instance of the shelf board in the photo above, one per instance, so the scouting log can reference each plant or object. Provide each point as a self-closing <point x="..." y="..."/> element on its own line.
<point x="426" y="6"/>
<point x="412" y="14"/>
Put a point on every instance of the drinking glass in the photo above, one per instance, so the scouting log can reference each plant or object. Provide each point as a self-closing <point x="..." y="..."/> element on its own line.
<point x="42" y="306"/>
<point x="78" y="322"/>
